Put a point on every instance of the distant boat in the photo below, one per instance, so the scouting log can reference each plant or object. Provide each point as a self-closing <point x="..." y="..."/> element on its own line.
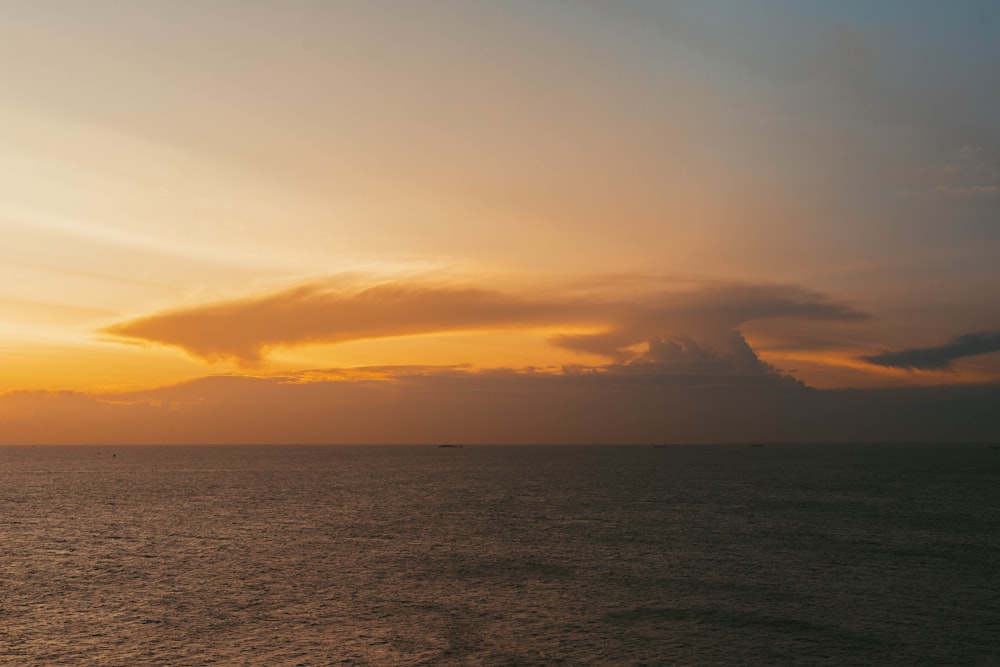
<point x="450" y="446"/>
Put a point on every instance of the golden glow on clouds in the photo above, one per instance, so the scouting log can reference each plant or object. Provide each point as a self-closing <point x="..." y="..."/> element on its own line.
<point x="485" y="349"/>
<point x="500" y="186"/>
<point x="344" y="309"/>
<point x="843" y="368"/>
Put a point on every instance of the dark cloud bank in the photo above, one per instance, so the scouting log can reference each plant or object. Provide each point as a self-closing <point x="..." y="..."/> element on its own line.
<point x="940" y="357"/>
<point x="639" y="403"/>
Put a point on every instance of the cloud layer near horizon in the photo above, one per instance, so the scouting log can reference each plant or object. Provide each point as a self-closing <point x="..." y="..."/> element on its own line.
<point x="643" y="403"/>
<point x="671" y="322"/>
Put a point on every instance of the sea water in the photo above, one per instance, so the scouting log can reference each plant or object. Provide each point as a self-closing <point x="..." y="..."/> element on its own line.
<point x="516" y="555"/>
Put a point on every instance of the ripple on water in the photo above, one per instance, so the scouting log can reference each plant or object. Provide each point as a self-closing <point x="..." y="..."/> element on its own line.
<point x="572" y="555"/>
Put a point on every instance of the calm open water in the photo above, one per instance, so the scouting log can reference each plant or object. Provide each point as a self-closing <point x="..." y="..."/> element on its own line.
<point x="700" y="555"/>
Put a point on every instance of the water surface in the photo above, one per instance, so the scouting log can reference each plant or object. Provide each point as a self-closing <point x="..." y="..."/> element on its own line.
<point x="825" y="555"/>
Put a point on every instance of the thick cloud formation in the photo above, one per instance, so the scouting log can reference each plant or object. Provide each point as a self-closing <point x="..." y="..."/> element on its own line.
<point x="325" y="313"/>
<point x="940" y="357"/>
<point x="687" y="322"/>
<point x="634" y="403"/>
<point x="317" y="312"/>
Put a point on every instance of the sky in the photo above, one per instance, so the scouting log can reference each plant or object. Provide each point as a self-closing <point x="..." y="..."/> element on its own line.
<point x="465" y="221"/>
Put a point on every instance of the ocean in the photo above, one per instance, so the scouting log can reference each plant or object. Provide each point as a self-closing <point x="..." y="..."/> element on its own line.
<point x="500" y="555"/>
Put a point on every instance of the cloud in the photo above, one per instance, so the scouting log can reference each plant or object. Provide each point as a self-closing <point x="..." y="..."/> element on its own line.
<point x="972" y="170"/>
<point x="733" y="357"/>
<point x="635" y="403"/>
<point x="970" y="190"/>
<point x="320" y="312"/>
<point x="695" y="322"/>
<point x="940" y="357"/>
<point x="326" y="312"/>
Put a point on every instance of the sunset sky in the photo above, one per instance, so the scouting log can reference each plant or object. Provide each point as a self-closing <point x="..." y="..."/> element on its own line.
<point x="520" y="221"/>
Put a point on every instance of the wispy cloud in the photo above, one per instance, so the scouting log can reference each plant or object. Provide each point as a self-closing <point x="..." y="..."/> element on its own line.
<point x="972" y="170"/>
<point x="940" y="357"/>
<point x="329" y="312"/>
<point x="968" y="190"/>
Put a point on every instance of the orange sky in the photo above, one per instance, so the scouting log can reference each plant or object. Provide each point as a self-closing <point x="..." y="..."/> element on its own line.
<point x="281" y="190"/>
